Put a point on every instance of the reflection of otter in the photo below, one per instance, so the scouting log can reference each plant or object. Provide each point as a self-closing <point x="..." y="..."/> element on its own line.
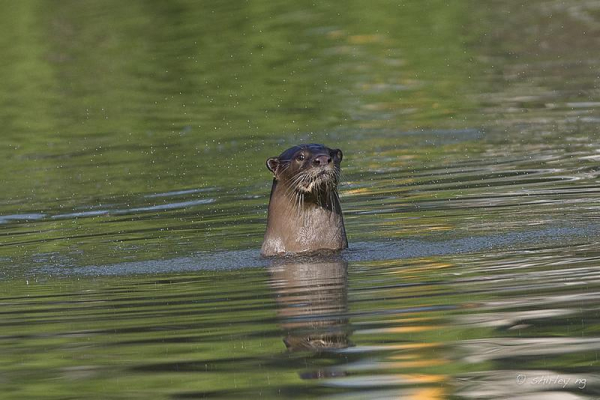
<point x="312" y="297"/>
<point x="304" y="208"/>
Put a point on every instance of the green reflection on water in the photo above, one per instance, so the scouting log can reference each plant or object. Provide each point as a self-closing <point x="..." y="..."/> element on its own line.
<point x="105" y="105"/>
<point x="115" y="98"/>
<point x="428" y="322"/>
<point x="129" y="337"/>
<point x="108" y="102"/>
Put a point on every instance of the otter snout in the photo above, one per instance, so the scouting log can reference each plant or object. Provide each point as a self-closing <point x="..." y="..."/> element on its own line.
<point x="322" y="160"/>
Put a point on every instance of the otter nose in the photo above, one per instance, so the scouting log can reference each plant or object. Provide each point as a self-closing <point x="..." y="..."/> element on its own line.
<point x="322" y="160"/>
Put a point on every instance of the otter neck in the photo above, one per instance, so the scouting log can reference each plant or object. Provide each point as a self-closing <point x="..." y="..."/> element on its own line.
<point x="303" y="222"/>
<point x="300" y="202"/>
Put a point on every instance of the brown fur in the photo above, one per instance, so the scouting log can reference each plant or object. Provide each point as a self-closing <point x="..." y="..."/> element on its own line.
<point x="304" y="209"/>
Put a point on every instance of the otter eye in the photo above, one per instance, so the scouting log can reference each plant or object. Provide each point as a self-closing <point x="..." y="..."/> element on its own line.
<point x="300" y="157"/>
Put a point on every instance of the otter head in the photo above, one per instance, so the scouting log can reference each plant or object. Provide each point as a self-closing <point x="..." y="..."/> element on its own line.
<point x="308" y="168"/>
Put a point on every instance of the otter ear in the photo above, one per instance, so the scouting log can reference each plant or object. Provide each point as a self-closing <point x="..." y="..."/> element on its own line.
<point x="273" y="165"/>
<point x="339" y="154"/>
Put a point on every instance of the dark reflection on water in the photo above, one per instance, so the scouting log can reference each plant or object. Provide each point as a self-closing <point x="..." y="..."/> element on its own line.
<point x="312" y="298"/>
<point x="133" y="199"/>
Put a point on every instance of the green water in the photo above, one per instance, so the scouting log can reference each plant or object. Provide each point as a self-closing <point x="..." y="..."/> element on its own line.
<point x="133" y="137"/>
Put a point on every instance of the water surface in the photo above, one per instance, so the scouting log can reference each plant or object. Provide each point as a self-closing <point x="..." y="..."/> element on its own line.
<point x="134" y="198"/>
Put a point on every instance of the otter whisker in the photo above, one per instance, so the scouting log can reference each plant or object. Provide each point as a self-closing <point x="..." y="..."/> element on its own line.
<point x="294" y="182"/>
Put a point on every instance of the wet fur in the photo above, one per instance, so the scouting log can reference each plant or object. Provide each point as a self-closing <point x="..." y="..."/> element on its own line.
<point x="304" y="208"/>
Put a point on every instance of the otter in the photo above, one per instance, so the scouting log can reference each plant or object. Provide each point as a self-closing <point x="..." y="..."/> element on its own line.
<point x="304" y="213"/>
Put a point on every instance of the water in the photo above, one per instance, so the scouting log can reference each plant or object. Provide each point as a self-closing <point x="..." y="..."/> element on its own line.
<point x="134" y="197"/>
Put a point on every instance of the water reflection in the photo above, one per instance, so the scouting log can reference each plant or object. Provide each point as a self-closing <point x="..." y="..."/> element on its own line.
<point x="312" y="299"/>
<point x="133" y="141"/>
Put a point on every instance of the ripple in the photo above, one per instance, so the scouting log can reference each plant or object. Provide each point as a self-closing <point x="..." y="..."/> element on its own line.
<point x="21" y="217"/>
<point x="483" y="350"/>
<point x="180" y="192"/>
<point x="123" y="211"/>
